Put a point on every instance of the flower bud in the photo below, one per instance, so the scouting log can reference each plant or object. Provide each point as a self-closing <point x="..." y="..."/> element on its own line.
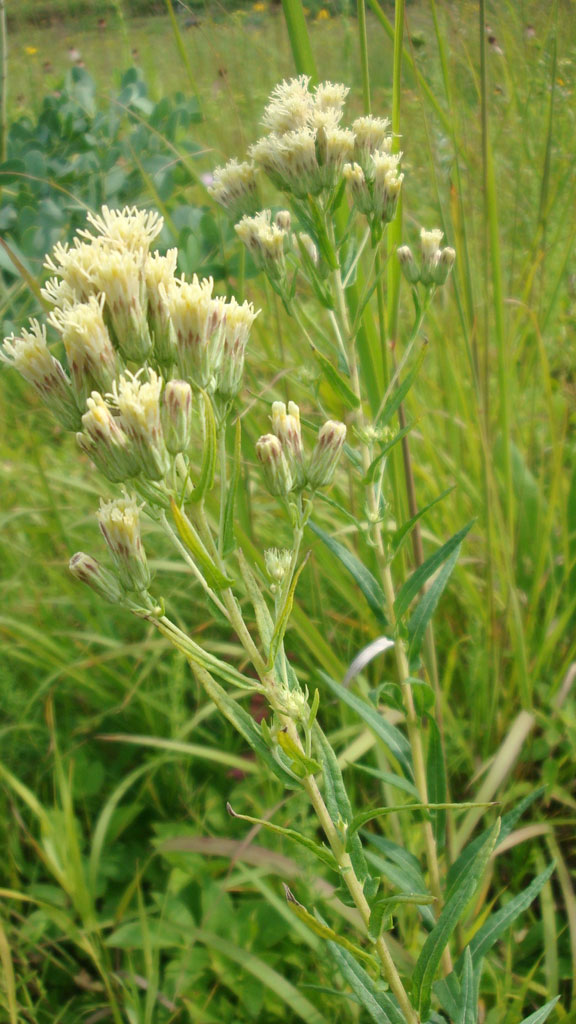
<point x="105" y="441"/>
<point x="326" y="454"/>
<point x="408" y="264"/>
<point x="86" y="569"/>
<point x="139" y="405"/>
<point x="91" y="355"/>
<point x="120" y="275"/>
<point x="371" y="134"/>
<point x="386" y="184"/>
<point x="358" y="188"/>
<point x="159" y="270"/>
<point x="444" y="265"/>
<point x="430" y="250"/>
<point x="265" y="243"/>
<point x="234" y="187"/>
<point x="29" y="354"/>
<point x="283" y="220"/>
<point x="237" y="324"/>
<point x="120" y="525"/>
<point x="198" y="320"/>
<point x="276" y="470"/>
<point x="286" y="426"/>
<point x="176" y="415"/>
<point x="307" y="246"/>
<point x="277" y="561"/>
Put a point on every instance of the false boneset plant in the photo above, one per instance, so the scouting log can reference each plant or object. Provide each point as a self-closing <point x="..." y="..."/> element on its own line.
<point x="154" y="375"/>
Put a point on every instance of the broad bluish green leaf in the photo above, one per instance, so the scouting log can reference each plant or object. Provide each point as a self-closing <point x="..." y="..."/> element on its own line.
<point x="392" y="738"/>
<point x="416" y="581"/>
<point x="368" y="584"/>
<point x="431" y="954"/>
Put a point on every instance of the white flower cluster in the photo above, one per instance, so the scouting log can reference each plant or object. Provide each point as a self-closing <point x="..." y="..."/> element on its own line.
<point x="116" y="304"/>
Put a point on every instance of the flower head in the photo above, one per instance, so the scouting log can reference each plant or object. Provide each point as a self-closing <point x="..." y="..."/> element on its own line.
<point x="198" y="320"/>
<point x="91" y="356"/>
<point x="119" y="522"/>
<point x="30" y="355"/>
<point x="129" y="228"/>
<point x="138" y="402"/>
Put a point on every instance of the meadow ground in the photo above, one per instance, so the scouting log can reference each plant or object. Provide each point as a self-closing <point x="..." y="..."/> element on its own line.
<point x="98" y="712"/>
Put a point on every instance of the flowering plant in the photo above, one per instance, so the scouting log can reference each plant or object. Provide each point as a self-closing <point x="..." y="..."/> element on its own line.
<point x="154" y="374"/>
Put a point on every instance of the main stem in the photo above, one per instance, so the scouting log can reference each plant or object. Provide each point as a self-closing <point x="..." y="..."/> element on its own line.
<point x="403" y="667"/>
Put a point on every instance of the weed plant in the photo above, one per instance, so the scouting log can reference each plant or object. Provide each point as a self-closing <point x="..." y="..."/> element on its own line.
<point x="329" y="626"/>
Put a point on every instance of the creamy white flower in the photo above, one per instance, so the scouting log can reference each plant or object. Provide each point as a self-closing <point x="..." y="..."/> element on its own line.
<point x="234" y="187"/>
<point x="91" y="355"/>
<point x="128" y="228"/>
<point x="138" y="402"/>
<point x="119" y="522"/>
<point x="198" y="321"/>
<point x="30" y="355"/>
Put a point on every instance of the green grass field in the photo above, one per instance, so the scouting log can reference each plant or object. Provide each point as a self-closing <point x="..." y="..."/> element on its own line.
<point x="162" y="903"/>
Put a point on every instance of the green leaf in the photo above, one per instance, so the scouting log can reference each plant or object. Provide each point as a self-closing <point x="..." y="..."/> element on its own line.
<point x="393" y="739"/>
<point x="416" y="581"/>
<point x="383" y="908"/>
<point x="206" y="479"/>
<point x="212" y="574"/>
<point x="403" y="533"/>
<point x="363" y="817"/>
<point x="400" y="392"/>
<point x="382" y="1008"/>
<point x="399" y="867"/>
<point x="431" y="954"/>
<point x="284" y="617"/>
<point x="337" y="800"/>
<point x="323" y="930"/>
<point x="371" y="472"/>
<point x="299" y="763"/>
<point x="427" y="606"/>
<point x="499" y="922"/>
<point x="436" y="780"/>
<point x="319" y="851"/>
<point x="242" y="722"/>
<point x="396" y="781"/>
<point x="363" y="577"/>
<point x="228" y="540"/>
<point x="509" y="821"/>
<point x="338" y="384"/>
<point x="541" y="1015"/>
<point x="467" y="1008"/>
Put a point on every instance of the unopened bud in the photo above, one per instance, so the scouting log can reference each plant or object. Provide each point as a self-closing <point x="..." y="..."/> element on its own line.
<point x="139" y="405"/>
<point x="105" y="441"/>
<point x="283" y="220"/>
<point x="430" y="249"/>
<point x="286" y="426"/>
<point x="30" y="355"/>
<point x="176" y="415"/>
<point x="120" y="525"/>
<point x="277" y="561"/>
<point x="408" y="264"/>
<point x="326" y="454"/>
<point x="276" y="470"/>
<point x="444" y="265"/>
<point x="86" y="569"/>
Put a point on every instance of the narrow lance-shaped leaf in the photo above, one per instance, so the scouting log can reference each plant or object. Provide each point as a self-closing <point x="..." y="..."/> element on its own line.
<point x="467" y="1009"/>
<point x="212" y="574"/>
<point x="323" y="930"/>
<point x="321" y="852"/>
<point x="363" y="577"/>
<point x="228" y="540"/>
<point x="373" y="467"/>
<point x="416" y="581"/>
<point x="399" y="393"/>
<point x="393" y="739"/>
<point x="284" y="616"/>
<point x="431" y="954"/>
<point x="436" y="779"/>
<point x="382" y="1007"/>
<point x="499" y="922"/>
<point x="382" y="909"/>
<point x="404" y="532"/>
<point x="338" y="383"/>
<point x="337" y="800"/>
<point x="542" y="1014"/>
<point x="427" y="606"/>
<point x="206" y="480"/>
<point x="380" y="812"/>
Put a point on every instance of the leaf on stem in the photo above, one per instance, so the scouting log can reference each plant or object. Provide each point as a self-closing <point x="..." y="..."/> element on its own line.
<point x="393" y="739"/>
<point x="419" y="577"/>
<point x="361" y="819"/>
<point x="399" y="393"/>
<point x="228" y="539"/>
<point x="382" y="1007"/>
<point x="206" y="479"/>
<point x="405" y="530"/>
<point x="320" y="851"/>
<point x="338" y="384"/>
<point x="323" y="930"/>
<point x="429" y="959"/>
<point x="284" y="616"/>
<point x="214" y="577"/>
<point x="363" y="577"/>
